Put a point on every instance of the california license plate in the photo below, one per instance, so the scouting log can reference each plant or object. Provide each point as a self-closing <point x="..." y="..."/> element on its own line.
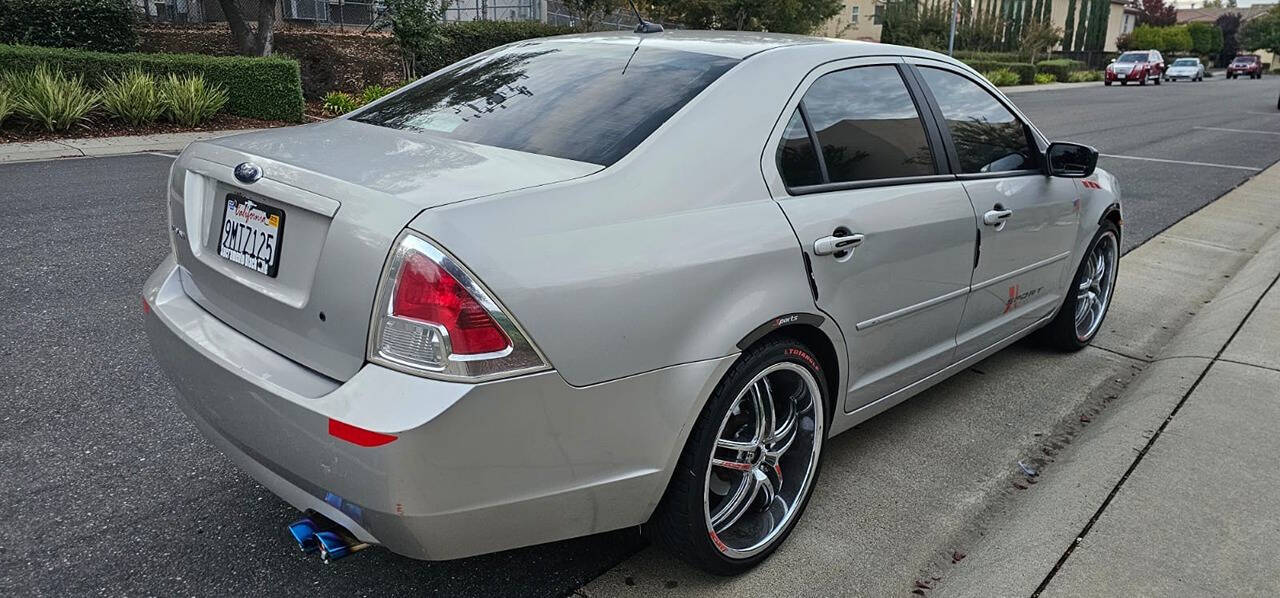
<point x="251" y="234"/>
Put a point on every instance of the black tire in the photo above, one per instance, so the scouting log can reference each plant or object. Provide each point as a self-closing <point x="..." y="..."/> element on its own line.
<point x="1158" y="78"/>
<point x="1107" y="83"/>
<point x="1060" y="333"/>
<point x="679" y="524"/>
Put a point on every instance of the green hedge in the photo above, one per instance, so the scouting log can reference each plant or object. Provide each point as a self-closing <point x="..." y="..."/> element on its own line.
<point x="468" y="38"/>
<point x="967" y="55"/>
<point x="1060" y="67"/>
<point x="265" y="88"/>
<point x="105" y="25"/>
<point x="1025" y="70"/>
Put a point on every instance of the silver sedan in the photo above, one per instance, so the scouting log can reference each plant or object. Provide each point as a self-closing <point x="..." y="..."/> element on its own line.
<point x="1190" y="69"/>
<point x="582" y="283"/>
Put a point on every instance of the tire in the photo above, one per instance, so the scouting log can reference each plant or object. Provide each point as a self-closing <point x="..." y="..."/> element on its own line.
<point x="1107" y="83"/>
<point x="1063" y="332"/>
<point x="700" y="492"/>
<point x="1158" y="78"/>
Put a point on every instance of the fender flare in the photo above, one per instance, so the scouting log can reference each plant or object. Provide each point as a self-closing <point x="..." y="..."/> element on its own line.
<point x="784" y="320"/>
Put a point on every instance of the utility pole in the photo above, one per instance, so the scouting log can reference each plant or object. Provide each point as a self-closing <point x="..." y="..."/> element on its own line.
<point x="955" y="14"/>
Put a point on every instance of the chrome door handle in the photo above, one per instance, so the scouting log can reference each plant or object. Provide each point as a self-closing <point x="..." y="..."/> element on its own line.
<point x="832" y="244"/>
<point x="996" y="218"/>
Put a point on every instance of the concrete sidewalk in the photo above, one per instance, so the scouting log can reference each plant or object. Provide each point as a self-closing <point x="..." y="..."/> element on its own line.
<point x="105" y="146"/>
<point x="1198" y="514"/>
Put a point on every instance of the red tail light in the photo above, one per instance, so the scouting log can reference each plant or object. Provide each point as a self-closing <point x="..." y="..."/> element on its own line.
<point x="425" y="292"/>
<point x="433" y="318"/>
<point x="358" y="436"/>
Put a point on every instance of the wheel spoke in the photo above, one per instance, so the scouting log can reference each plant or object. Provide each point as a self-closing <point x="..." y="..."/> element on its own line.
<point x="731" y="464"/>
<point x="737" y="505"/>
<point x="734" y="445"/>
<point x="766" y="417"/>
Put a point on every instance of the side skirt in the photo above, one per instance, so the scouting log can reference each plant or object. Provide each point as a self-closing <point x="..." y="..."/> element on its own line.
<point x="874" y="408"/>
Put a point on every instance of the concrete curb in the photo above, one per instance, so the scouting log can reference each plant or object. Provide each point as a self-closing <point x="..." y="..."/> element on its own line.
<point x="1020" y="544"/>
<point x="106" y="146"/>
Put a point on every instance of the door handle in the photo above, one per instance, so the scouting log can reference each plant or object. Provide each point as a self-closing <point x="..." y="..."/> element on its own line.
<point x="997" y="218"/>
<point x="833" y="244"/>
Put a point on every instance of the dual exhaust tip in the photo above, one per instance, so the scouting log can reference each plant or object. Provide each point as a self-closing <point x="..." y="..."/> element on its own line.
<point x="331" y="540"/>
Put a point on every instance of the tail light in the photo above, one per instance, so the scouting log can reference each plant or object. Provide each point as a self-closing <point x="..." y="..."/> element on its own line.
<point x="434" y="319"/>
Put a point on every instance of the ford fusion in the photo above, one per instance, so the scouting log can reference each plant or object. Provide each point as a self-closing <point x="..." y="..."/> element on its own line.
<point x="590" y="282"/>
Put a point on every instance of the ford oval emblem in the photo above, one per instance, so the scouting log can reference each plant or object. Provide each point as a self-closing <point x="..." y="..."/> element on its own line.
<point x="248" y="172"/>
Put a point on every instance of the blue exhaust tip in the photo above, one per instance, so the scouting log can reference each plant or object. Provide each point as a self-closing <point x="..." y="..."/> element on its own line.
<point x="304" y="531"/>
<point x="332" y="546"/>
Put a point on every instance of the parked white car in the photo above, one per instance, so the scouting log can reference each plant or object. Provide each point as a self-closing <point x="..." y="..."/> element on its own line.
<point x="1190" y="69"/>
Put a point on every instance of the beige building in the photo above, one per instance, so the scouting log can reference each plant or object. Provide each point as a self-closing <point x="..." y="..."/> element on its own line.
<point x="856" y="21"/>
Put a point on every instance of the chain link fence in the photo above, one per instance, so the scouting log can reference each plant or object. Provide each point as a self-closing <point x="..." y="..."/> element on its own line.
<point x="334" y="13"/>
<point x="362" y="13"/>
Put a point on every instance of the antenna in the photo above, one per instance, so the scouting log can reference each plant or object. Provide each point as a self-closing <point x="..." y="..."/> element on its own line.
<point x="644" y="26"/>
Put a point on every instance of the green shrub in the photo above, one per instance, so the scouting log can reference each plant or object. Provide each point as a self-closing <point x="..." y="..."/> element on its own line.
<point x="106" y="25"/>
<point x="337" y="103"/>
<point x="990" y="56"/>
<point x="189" y="101"/>
<point x="265" y="88"/>
<point x="372" y="93"/>
<point x="1061" y="68"/>
<point x="132" y="97"/>
<point x="1026" y="71"/>
<point x="1002" y="77"/>
<point x="466" y="38"/>
<point x="54" y="100"/>
<point x="1043" y="78"/>
<point x="1082" y="76"/>
<point x="7" y="104"/>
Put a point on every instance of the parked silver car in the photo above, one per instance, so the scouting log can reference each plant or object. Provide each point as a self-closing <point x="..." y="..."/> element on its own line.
<point x="1190" y="69"/>
<point x="583" y="283"/>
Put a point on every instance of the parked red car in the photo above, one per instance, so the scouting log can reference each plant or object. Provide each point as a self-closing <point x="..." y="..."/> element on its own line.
<point x="1139" y="67"/>
<point x="1249" y="64"/>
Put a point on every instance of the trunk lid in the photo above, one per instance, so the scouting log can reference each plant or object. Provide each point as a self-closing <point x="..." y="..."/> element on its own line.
<point x="346" y="191"/>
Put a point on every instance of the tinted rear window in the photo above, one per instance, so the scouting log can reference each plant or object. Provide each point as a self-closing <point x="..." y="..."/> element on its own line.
<point x="587" y="102"/>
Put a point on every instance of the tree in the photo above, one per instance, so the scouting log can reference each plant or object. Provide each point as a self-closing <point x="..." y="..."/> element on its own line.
<point x="781" y="16"/>
<point x="416" y="27"/>
<point x="1068" y="36"/>
<point x="1262" y="32"/>
<point x="1039" y="36"/>
<point x="1175" y="40"/>
<point x="1205" y="38"/>
<point x="251" y="42"/>
<point x="1146" y="37"/>
<point x="1229" y="24"/>
<point x="588" y="13"/>
<point x="1156" y="12"/>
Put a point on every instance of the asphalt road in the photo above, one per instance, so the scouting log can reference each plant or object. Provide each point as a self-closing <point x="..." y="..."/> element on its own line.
<point x="106" y="489"/>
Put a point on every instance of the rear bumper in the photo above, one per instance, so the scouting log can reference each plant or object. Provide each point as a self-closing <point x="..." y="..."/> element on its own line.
<point x="475" y="468"/>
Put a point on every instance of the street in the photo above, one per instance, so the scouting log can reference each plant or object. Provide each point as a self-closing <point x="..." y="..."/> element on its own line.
<point x="111" y="491"/>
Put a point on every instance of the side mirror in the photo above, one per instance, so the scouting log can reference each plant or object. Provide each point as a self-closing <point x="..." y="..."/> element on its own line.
<point x="1070" y="160"/>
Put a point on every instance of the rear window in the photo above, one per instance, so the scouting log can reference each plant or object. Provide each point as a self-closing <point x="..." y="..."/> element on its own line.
<point x="580" y="101"/>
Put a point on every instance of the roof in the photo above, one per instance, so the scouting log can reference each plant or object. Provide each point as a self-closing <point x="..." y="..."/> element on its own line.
<point x="1209" y="15"/>
<point x="730" y="44"/>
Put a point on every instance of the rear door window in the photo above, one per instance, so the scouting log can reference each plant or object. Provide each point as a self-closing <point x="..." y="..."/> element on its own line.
<point x="580" y="101"/>
<point x="866" y="125"/>
<point x="988" y="137"/>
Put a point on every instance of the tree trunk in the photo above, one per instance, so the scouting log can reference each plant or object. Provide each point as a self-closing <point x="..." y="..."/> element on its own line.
<point x="266" y="26"/>
<point x="240" y="33"/>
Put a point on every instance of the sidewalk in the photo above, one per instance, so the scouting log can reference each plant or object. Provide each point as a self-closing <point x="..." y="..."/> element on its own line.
<point x="1198" y="515"/>
<point x="105" y="146"/>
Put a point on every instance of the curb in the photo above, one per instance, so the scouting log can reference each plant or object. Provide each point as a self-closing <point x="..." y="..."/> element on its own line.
<point x="1021" y="542"/>
<point x="106" y="146"/>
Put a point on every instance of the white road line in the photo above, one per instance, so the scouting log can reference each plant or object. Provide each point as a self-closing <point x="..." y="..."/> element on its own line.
<point x="1238" y="130"/>
<point x="163" y="154"/>
<point x="1272" y="113"/>
<point x="1249" y="168"/>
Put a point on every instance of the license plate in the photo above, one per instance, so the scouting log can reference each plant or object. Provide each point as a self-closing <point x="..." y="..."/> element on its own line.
<point x="251" y="234"/>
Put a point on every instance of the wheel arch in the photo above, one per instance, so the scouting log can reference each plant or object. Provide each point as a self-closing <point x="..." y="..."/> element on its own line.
<point x="805" y="328"/>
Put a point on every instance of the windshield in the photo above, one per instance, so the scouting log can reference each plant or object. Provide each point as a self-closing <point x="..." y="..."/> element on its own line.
<point x="1186" y="62"/>
<point x="1244" y="59"/>
<point x="1133" y="57"/>
<point x="588" y="102"/>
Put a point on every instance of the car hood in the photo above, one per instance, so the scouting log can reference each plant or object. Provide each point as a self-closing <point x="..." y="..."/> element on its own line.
<point x="420" y="168"/>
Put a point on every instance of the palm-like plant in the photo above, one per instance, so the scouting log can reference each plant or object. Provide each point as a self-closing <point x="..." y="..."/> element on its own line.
<point x="54" y="100"/>
<point x="189" y="101"/>
<point x="133" y="97"/>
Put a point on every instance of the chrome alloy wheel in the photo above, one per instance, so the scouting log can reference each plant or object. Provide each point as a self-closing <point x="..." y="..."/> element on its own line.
<point x="764" y="461"/>
<point x="1093" y="289"/>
